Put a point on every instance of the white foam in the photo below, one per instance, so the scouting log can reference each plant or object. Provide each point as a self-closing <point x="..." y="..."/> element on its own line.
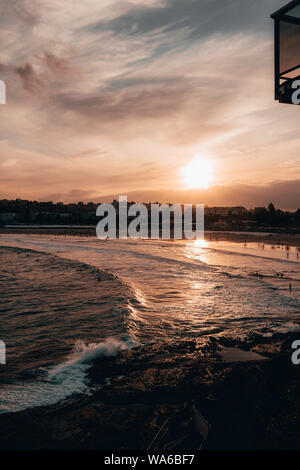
<point x="62" y="381"/>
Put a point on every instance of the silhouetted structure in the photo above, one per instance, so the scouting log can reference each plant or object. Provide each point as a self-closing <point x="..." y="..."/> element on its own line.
<point x="18" y="212"/>
<point x="287" y="53"/>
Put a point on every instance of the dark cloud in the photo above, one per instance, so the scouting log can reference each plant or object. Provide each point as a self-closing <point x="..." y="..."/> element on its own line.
<point x="59" y="66"/>
<point x="284" y="194"/>
<point x="160" y="99"/>
<point x="51" y="68"/>
<point x="126" y="105"/>
<point x="31" y="80"/>
<point x="202" y="18"/>
<point x="22" y="15"/>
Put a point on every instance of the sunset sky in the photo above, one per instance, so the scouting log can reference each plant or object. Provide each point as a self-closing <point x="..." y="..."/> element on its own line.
<point x="108" y="97"/>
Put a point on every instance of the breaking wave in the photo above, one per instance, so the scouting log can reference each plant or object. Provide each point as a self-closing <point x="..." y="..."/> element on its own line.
<point x="61" y="381"/>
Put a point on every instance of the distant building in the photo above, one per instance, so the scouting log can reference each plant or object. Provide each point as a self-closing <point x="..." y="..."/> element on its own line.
<point x="7" y="217"/>
<point x="260" y="211"/>
<point x="225" y="211"/>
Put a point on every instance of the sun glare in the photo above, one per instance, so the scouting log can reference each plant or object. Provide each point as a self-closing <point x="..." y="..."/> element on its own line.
<point x="198" y="174"/>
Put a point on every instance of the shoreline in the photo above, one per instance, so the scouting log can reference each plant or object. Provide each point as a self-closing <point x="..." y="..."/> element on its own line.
<point x="287" y="239"/>
<point x="248" y="390"/>
<point x="143" y="387"/>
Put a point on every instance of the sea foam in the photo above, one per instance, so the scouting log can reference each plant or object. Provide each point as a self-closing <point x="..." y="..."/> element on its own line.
<point x="63" y="380"/>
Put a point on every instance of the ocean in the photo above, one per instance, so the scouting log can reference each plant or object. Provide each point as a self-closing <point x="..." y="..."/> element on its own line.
<point x="66" y="301"/>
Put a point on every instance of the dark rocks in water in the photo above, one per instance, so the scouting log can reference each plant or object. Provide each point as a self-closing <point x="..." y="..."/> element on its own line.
<point x="250" y="405"/>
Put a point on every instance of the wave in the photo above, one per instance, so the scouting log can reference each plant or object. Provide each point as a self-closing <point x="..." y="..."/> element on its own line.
<point x="107" y="249"/>
<point x="122" y="298"/>
<point x="62" y="381"/>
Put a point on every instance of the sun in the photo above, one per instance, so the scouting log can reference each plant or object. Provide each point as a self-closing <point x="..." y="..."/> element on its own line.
<point x="198" y="174"/>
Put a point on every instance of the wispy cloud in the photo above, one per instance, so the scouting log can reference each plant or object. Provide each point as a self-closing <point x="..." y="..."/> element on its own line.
<point x="97" y="90"/>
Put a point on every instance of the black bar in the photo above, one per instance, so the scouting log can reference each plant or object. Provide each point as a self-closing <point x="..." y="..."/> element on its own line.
<point x="201" y="458"/>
